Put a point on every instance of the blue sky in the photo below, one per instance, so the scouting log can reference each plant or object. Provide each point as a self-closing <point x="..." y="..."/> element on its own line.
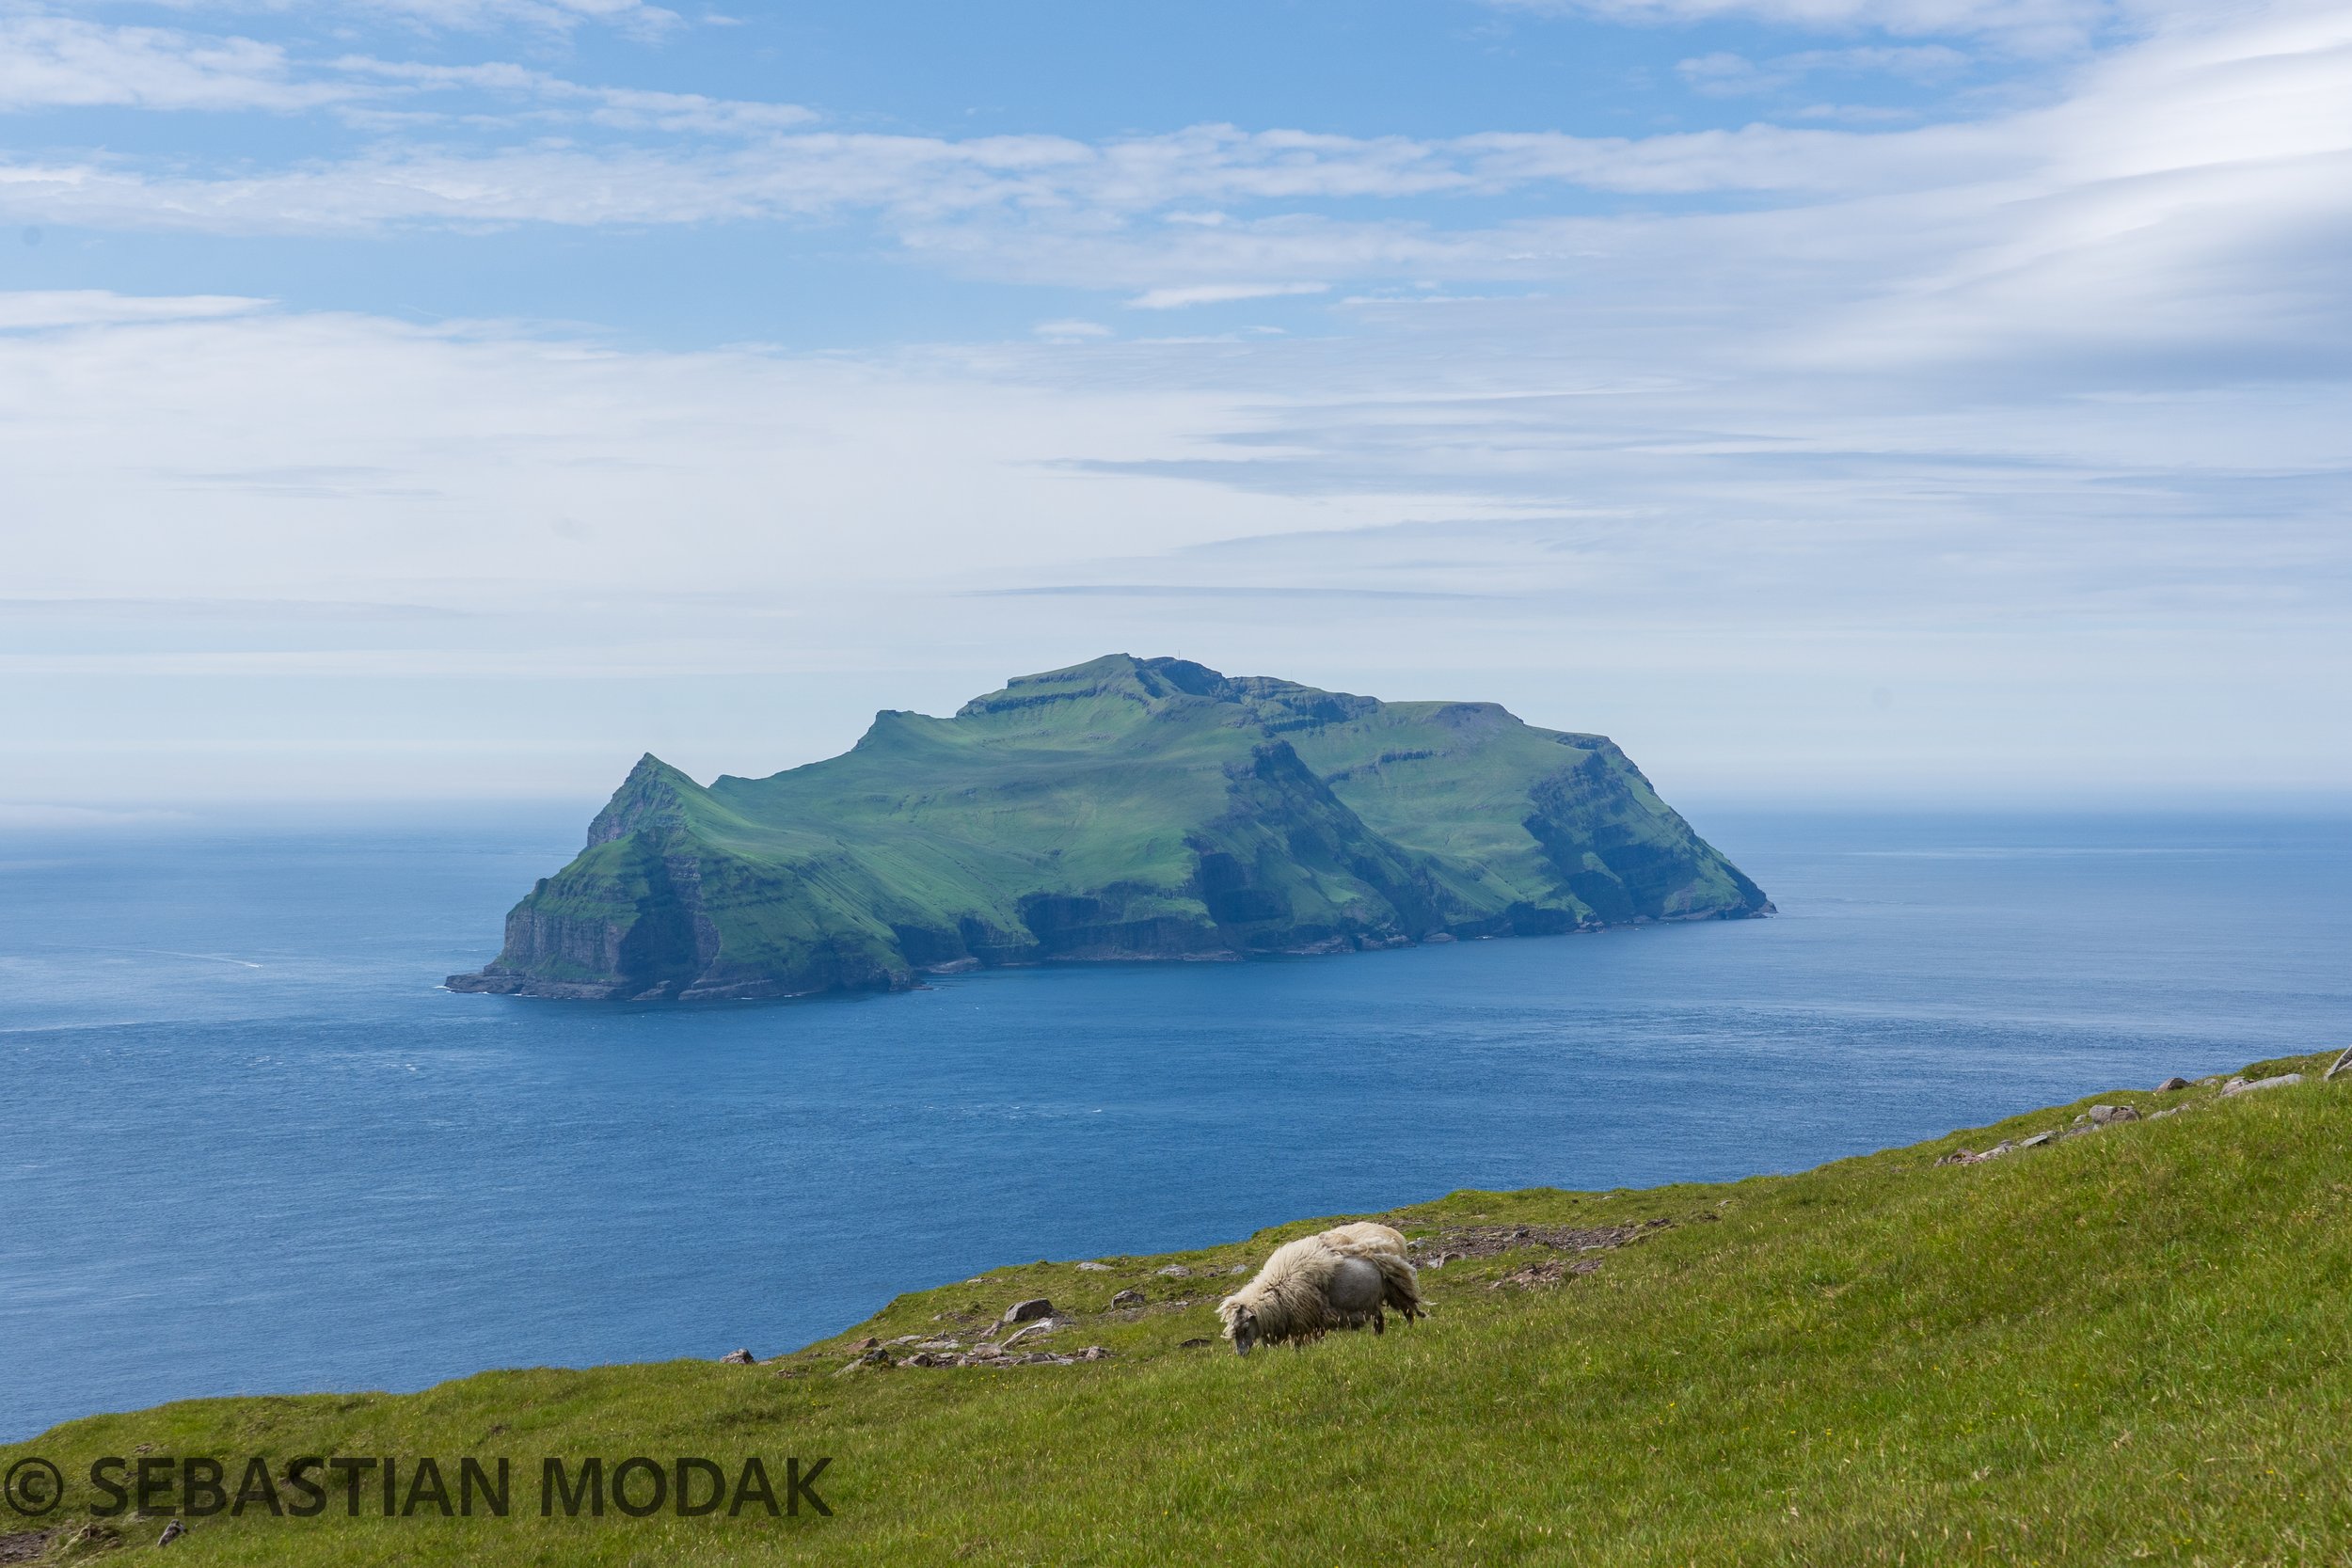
<point x="1911" y="397"/>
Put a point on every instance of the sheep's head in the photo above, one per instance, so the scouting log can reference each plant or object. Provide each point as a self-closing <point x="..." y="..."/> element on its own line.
<point x="1243" y="1327"/>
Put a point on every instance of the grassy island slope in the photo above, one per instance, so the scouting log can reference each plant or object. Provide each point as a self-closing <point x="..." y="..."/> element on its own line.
<point x="2133" y="1344"/>
<point x="1123" y="808"/>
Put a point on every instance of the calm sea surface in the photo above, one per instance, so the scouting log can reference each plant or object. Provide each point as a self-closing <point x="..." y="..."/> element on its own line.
<point x="247" y="1144"/>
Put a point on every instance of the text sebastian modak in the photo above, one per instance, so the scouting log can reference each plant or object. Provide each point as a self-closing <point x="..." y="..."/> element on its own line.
<point x="392" y="1486"/>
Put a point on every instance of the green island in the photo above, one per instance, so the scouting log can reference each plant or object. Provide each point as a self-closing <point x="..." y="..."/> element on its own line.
<point x="2128" y="1340"/>
<point x="1121" y="809"/>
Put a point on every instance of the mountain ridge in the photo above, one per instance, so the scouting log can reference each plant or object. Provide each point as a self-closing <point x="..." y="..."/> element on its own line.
<point x="1120" y="809"/>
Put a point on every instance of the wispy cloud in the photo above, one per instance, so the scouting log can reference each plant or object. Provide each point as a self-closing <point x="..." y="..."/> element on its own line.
<point x="38" y="310"/>
<point x="1724" y="74"/>
<point x="1178" y="297"/>
<point x="1756" y="416"/>
<point x="55" y="61"/>
<point x="635" y="17"/>
<point x="50" y="61"/>
<point x="2026" y="25"/>
<point x="2097" y="224"/>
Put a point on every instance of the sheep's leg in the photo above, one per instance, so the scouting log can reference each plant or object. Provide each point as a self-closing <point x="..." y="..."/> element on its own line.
<point x="1379" y="1322"/>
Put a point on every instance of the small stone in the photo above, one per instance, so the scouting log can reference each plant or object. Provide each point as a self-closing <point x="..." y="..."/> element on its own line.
<point x="1022" y="1311"/>
<point x="1094" y="1268"/>
<point x="2036" y="1141"/>
<point x="2172" y="1086"/>
<point x="737" y="1358"/>
<point x="2343" y="1063"/>
<point x="1094" y="1352"/>
<point x="1238" y="1268"/>
<point x="1128" y="1298"/>
<point x="1195" y="1344"/>
<point x="869" y="1343"/>
<point x="2239" y="1085"/>
<point x="1175" y="1270"/>
<point x="2106" y="1116"/>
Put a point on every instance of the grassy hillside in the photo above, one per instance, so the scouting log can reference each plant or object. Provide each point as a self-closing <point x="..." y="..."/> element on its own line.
<point x="1120" y="809"/>
<point x="2132" y="1344"/>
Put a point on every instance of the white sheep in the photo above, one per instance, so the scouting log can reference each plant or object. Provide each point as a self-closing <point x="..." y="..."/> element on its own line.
<point x="1400" y="1284"/>
<point x="1341" y="1278"/>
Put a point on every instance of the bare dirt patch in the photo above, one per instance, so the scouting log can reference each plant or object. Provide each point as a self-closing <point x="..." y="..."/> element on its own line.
<point x="1465" y="1243"/>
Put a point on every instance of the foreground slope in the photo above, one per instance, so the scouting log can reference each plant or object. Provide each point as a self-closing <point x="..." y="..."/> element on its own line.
<point x="2129" y="1345"/>
<point x="1123" y="808"/>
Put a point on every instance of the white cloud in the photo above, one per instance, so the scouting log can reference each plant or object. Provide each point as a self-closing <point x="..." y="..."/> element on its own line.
<point x="49" y="61"/>
<point x="2025" y="25"/>
<point x="1179" y="297"/>
<point x="2043" y="419"/>
<point x="61" y="62"/>
<point x="622" y="108"/>
<point x="1600" y="528"/>
<point x="2181" y="201"/>
<point x="1041" y="181"/>
<point x="1725" y="74"/>
<point x="626" y="16"/>
<point x="31" y="310"/>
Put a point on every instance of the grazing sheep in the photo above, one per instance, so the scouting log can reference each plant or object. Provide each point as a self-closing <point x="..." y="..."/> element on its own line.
<point x="1365" y="1236"/>
<point x="1385" y="1249"/>
<point x="1311" y="1287"/>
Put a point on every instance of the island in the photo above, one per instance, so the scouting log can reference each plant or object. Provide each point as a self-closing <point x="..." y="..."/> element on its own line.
<point x="1121" y="809"/>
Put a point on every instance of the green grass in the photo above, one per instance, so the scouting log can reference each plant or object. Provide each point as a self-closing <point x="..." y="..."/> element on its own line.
<point x="2131" y="1345"/>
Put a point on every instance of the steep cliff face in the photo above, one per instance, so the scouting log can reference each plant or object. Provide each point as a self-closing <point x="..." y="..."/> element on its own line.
<point x="1121" y="809"/>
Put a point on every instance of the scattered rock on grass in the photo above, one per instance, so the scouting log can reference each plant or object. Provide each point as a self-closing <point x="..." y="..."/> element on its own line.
<point x="1175" y="1270"/>
<point x="2106" y="1116"/>
<point x="1128" y="1298"/>
<point x="1550" y="1272"/>
<point x="2343" y="1063"/>
<point x="1022" y="1311"/>
<point x="1491" y="1241"/>
<point x="2241" y="1085"/>
<point x="1094" y="1268"/>
<point x="2172" y="1086"/>
<point x="1042" y="1326"/>
<point x="737" y="1358"/>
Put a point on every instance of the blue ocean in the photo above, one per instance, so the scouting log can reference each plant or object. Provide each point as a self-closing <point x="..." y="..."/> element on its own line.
<point x="251" y="1146"/>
